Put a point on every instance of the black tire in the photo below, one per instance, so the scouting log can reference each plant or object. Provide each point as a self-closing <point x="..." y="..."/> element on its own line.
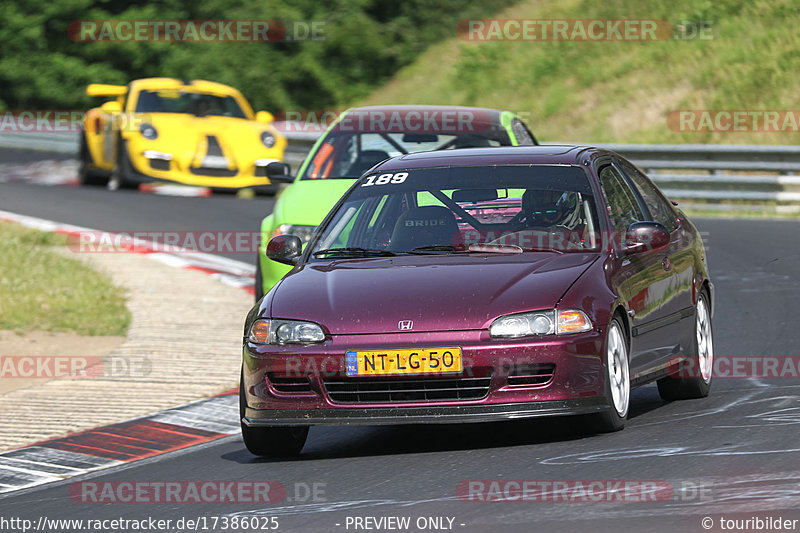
<point x="119" y="179"/>
<point x="274" y="441"/>
<point x="86" y="175"/>
<point x="686" y="382"/>
<point x="259" y="282"/>
<point x="612" y="419"/>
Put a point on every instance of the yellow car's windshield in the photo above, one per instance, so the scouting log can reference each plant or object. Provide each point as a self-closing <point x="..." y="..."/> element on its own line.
<point x="194" y="103"/>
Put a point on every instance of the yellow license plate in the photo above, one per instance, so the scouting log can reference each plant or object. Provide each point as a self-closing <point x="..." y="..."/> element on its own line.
<point x="416" y="361"/>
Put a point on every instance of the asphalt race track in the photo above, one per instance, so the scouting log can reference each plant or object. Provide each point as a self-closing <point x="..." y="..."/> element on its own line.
<point x="735" y="454"/>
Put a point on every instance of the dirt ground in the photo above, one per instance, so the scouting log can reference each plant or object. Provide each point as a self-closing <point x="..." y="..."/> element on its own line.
<point x="43" y="344"/>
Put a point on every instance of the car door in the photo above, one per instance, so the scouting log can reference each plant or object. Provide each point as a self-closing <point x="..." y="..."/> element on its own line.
<point x="676" y="292"/>
<point x="640" y="279"/>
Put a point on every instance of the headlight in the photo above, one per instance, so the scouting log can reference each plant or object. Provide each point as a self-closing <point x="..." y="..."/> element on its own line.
<point x="148" y="131"/>
<point x="538" y="323"/>
<point x="304" y="232"/>
<point x="267" y="139"/>
<point x="279" y="331"/>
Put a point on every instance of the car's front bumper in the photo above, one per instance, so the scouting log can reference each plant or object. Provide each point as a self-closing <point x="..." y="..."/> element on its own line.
<point x="137" y="168"/>
<point x="439" y="414"/>
<point x="575" y="386"/>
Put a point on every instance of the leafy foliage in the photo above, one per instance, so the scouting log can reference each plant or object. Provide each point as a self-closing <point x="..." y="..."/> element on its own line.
<point x="364" y="42"/>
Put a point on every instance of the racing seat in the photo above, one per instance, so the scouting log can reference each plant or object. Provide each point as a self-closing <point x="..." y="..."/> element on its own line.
<point x="366" y="160"/>
<point x="425" y="226"/>
<point x="535" y="203"/>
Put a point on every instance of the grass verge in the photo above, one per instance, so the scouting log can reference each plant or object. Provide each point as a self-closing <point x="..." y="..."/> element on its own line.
<point x="41" y="289"/>
<point x="620" y="91"/>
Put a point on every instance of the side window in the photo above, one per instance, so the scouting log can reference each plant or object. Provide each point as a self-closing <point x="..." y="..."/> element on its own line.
<point x="658" y="207"/>
<point x="623" y="206"/>
<point x="521" y="133"/>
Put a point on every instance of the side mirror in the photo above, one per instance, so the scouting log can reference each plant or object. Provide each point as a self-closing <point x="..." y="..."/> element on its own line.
<point x="646" y="237"/>
<point x="278" y="172"/>
<point x="285" y="249"/>
<point x="111" y="107"/>
<point x="264" y="117"/>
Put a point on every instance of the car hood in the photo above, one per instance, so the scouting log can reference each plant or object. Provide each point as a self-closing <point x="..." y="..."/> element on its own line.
<point x="306" y="202"/>
<point x="452" y="292"/>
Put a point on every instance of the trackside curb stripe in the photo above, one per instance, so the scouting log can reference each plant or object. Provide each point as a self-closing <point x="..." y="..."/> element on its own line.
<point x="158" y="433"/>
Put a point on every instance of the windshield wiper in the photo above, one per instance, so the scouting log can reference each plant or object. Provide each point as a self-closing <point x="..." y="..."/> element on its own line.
<point x="353" y="252"/>
<point x="472" y="248"/>
<point x="433" y="248"/>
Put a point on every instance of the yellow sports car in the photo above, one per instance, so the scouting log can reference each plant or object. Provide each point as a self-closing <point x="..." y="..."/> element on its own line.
<point x="196" y="132"/>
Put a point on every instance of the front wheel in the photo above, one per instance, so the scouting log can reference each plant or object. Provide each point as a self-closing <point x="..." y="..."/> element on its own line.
<point x="692" y="379"/>
<point x="617" y="381"/>
<point x="273" y="441"/>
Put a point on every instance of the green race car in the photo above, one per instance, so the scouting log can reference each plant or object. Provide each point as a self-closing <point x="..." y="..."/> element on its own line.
<point x="359" y="139"/>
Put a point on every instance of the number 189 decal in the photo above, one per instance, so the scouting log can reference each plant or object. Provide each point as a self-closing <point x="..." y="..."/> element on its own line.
<point x="383" y="179"/>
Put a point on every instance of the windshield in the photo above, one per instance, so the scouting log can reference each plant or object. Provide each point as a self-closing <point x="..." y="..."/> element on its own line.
<point x="194" y="103"/>
<point x="349" y="155"/>
<point x="480" y="209"/>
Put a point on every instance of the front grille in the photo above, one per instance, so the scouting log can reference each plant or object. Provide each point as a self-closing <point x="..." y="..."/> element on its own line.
<point x="159" y="164"/>
<point x="417" y="389"/>
<point x="531" y="374"/>
<point x="213" y="149"/>
<point x="214" y="172"/>
<point x="287" y="384"/>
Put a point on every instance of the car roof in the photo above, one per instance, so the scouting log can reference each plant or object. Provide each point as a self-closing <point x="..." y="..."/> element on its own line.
<point x="478" y="118"/>
<point x="547" y="154"/>
<point x="174" y="83"/>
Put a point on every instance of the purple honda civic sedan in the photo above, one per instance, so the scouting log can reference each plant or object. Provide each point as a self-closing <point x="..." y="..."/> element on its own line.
<point x="476" y="285"/>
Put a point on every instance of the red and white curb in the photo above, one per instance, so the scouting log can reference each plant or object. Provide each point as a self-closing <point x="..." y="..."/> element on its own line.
<point x="44" y="172"/>
<point x="165" y="431"/>
<point x="65" y="172"/>
<point x="116" y="444"/>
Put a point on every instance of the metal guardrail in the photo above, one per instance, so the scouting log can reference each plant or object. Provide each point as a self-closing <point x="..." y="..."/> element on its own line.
<point x="63" y="143"/>
<point x="708" y="172"/>
<point x="700" y="168"/>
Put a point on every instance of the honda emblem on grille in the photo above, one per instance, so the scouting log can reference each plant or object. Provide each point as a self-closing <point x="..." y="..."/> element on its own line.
<point x="405" y="325"/>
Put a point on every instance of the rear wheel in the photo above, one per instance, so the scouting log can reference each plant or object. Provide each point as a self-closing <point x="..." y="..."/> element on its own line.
<point x="118" y="179"/>
<point x="273" y="441"/>
<point x="87" y="175"/>
<point x="692" y="379"/>
<point x="617" y="380"/>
